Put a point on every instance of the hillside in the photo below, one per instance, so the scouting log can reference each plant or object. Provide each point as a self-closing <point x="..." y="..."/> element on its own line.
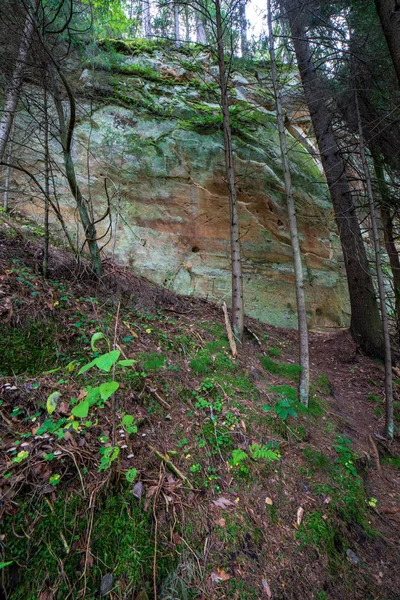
<point x="198" y="476"/>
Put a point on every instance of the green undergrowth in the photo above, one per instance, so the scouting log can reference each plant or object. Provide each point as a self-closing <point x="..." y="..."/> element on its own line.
<point x="282" y="369"/>
<point x="115" y="536"/>
<point x="338" y="485"/>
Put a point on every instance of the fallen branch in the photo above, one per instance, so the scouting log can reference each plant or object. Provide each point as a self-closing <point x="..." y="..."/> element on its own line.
<point x="376" y="455"/>
<point x="229" y="331"/>
<point x="171" y="466"/>
<point x="157" y="396"/>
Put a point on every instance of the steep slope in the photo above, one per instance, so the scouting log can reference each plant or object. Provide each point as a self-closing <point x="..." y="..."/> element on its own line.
<point x="200" y="477"/>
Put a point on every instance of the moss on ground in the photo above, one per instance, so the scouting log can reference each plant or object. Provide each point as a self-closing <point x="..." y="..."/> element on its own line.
<point x="54" y="555"/>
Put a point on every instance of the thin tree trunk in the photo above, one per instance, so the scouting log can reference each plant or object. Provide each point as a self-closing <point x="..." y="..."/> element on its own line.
<point x="14" y="90"/>
<point x="176" y="24"/>
<point x="8" y="168"/>
<point x="390" y="244"/>
<point x="365" y="323"/>
<point x="244" y="43"/>
<point x="148" y="31"/>
<point x="304" y="382"/>
<point x="237" y="278"/>
<point x="201" y="37"/>
<point x="46" y="183"/>
<point x="389" y="15"/>
<point x="66" y="144"/>
<point x="389" y="427"/>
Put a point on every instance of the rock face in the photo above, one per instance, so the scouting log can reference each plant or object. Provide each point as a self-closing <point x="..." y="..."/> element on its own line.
<point x="156" y="138"/>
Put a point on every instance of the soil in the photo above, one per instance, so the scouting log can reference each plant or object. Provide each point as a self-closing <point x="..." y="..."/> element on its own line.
<point x="228" y="559"/>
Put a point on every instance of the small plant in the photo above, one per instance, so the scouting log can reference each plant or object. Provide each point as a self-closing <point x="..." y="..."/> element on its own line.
<point x="108" y="455"/>
<point x="283" y="408"/>
<point x="285" y="370"/>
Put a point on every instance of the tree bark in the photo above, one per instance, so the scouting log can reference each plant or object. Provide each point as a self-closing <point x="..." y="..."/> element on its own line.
<point x="176" y="24"/>
<point x="237" y="278"/>
<point x="389" y="426"/>
<point x="66" y="134"/>
<point x="14" y="89"/>
<point x="148" y="31"/>
<point x="304" y="382"/>
<point x="8" y="168"/>
<point x="389" y="15"/>
<point x="201" y="37"/>
<point x="244" y="43"/>
<point x="389" y="237"/>
<point x="365" y="325"/>
<point x="46" y="183"/>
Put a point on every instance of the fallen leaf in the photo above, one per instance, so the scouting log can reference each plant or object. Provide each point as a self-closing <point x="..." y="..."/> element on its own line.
<point x="268" y="501"/>
<point x="266" y="588"/>
<point x="63" y="408"/>
<point x="176" y="537"/>
<point x="220" y="522"/>
<point x="300" y="513"/>
<point x="220" y="575"/>
<point x="223" y="502"/>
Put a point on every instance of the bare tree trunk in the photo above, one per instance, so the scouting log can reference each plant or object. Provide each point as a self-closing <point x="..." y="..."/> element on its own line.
<point x="389" y="15"/>
<point x="66" y="134"/>
<point x="390" y="244"/>
<point x="8" y="168"/>
<point x="148" y="31"/>
<point x="14" y="90"/>
<point x="176" y="24"/>
<point x="244" y="43"/>
<point x="237" y="278"/>
<point x="46" y="183"/>
<point x="365" y="323"/>
<point x="304" y="383"/>
<point x="389" y="427"/>
<point x="201" y="37"/>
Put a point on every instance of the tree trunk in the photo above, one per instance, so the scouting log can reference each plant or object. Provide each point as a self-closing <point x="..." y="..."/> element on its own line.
<point x="365" y="325"/>
<point x="389" y="15"/>
<point x="46" y="184"/>
<point x="304" y="382"/>
<point x="244" y="44"/>
<point x="14" y="90"/>
<point x="389" y="427"/>
<point x="8" y="169"/>
<point x="201" y="37"/>
<point x="66" y="143"/>
<point x="390" y="244"/>
<point x="176" y="25"/>
<point x="148" y="31"/>
<point x="237" y="279"/>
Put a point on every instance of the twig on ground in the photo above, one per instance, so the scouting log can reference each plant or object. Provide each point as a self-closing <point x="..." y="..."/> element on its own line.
<point x="171" y="466"/>
<point x="376" y="455"/>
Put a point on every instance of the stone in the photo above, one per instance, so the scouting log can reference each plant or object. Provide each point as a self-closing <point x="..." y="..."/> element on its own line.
<point x="106" y="584"/>
<point x="352" y="558"/>
<point x="172" y="194"/>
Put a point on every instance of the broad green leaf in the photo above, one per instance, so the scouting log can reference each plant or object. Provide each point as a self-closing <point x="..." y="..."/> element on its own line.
<point x="106" y="361"/>
<point x="87" y="367"/>
<point x="51" y="403"/>
<point x="128" y="423"/>
<point x="55" y="479"/>
<point x="93" y="394"/>
<point x="107" y="389"/>
<point x="130" y="475"/>
<point x="81" y="410"/>
<point x="267" y="407"/>
<point x="126" y="362"/>
<point x="5" y="564"/>
<point x="95" y="338"/>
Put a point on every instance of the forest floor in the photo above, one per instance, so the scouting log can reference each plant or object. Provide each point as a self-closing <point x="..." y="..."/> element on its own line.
<point x="200" y="476"/>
